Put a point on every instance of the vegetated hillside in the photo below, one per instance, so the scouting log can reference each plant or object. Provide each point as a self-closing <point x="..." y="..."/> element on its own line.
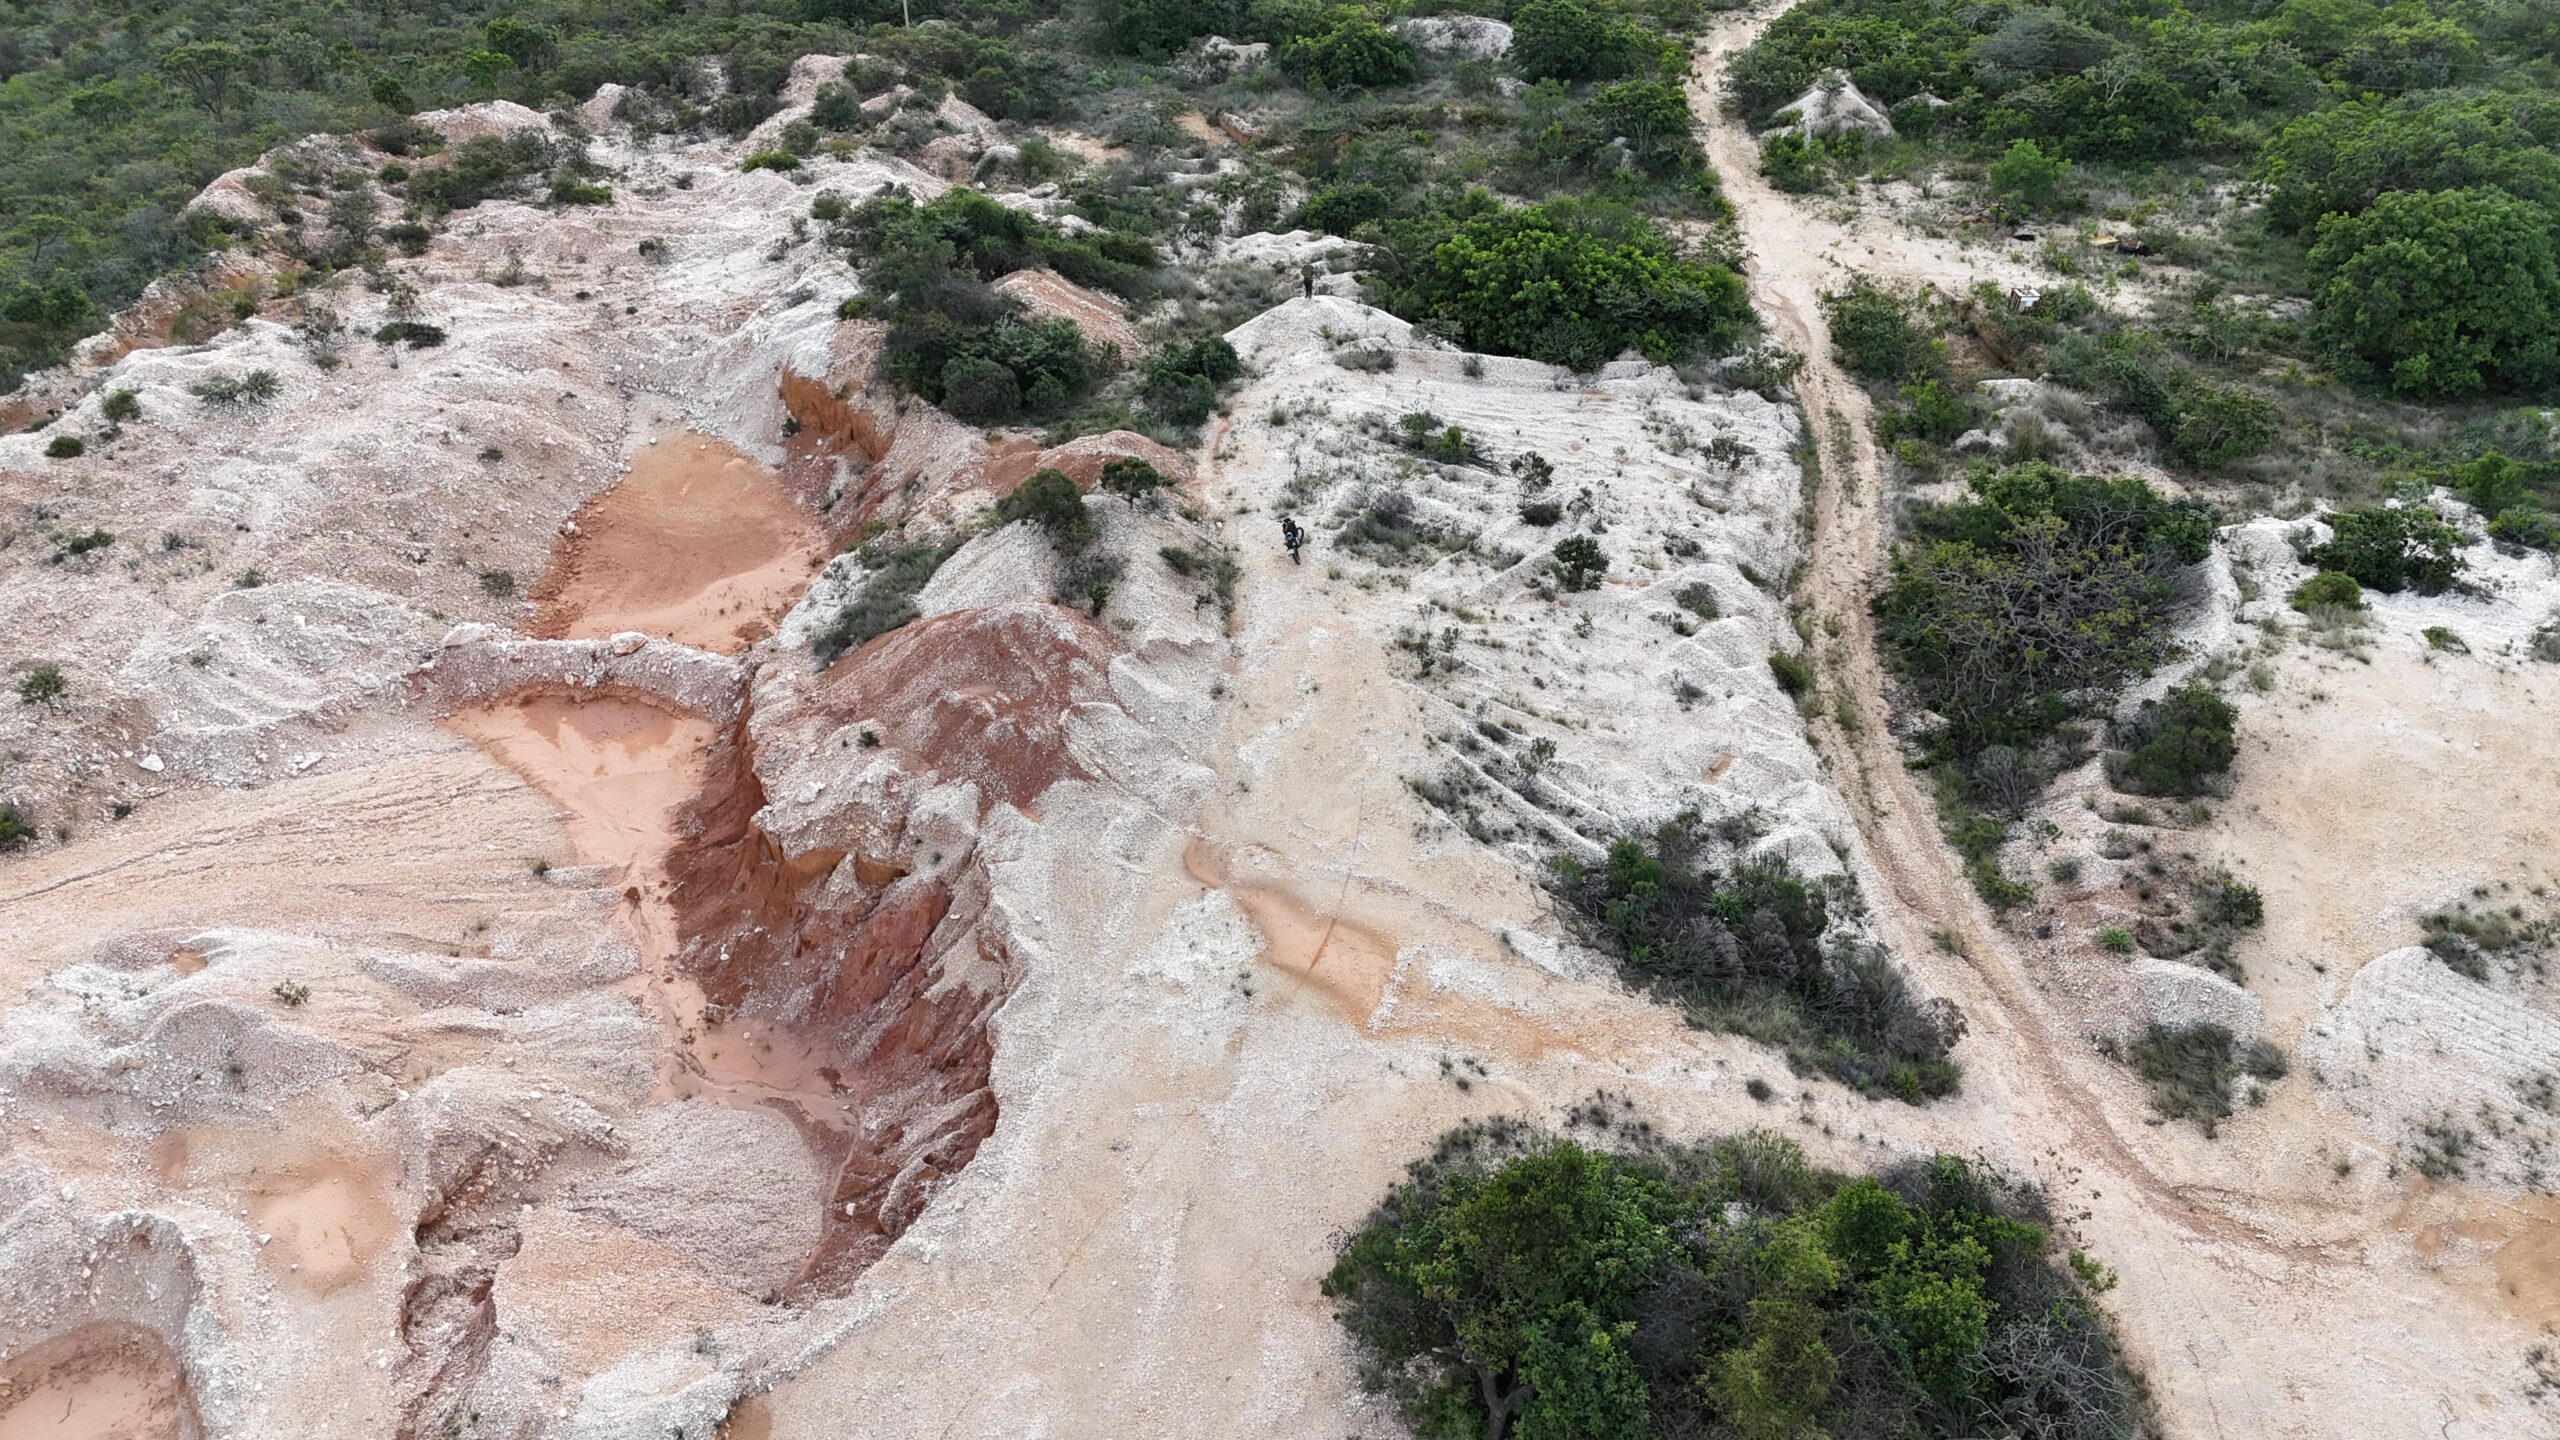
<point x="2332" y="225"/>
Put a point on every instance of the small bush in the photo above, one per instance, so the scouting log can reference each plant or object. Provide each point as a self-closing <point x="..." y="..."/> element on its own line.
<point x="1698" y="598"/>
<point x="980" y="390"/>
<point x="2329" y="590"/>
<point x="66" y="447"/>
<point x="2116" y="940"/>
<point x="1050" y="501"/>
<point x="2390" y="550"/>
<point x="254" y="387"/>
<point x="1793" y="674"/>
<point x="1131" y="479"/>
<point x="120" y="406"/>
<point x="497" y="584"/>
<point x="2190" y="1069"/>
<point x="770" y="160"/>
<point x="1541" y="513"/>
<point x="408" y="237"/>
<point x="2177" y="744"/>
<point x="42" y="685"/>
<point x="1580" y="562"/>
<point x="570" y="190"/>
<point x="293" y="993"/>
<point x="416" y="334"/>
<point x="886" y="600"/>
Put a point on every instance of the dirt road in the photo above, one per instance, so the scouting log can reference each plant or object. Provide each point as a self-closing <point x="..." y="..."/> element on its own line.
<point x="2222" y="1252"/>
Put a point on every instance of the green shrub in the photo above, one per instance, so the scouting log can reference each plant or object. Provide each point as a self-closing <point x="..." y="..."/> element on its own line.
<point x="887" y="599"/>
<point x="416" y="334"/>
<point x="2523" y="525"/>
<point x="1353" y="52"/>
<point x="1131" y="479"/>
<point x="1559" y="283"/>
<point x="1570" y="40"/>
<point x="1872" y="331"/>
<point x="2115" y="939"/>
<point x="14" y="828"/>
<point x="120" y="406"/>
<point x="2027" y="181"/>
<point x="2177" y="744"/>
<point x="1541" y="513"/>
<point x="2008" y="610"/>
<point x="408" y="237"/>
<point x="1793" y="674"/>
<point x="2330" y="589"/>
<point x="1518" y="1283"/>
<point x="1050" y="501"/>
<point x="255" y="387"/>
<point x="980" y="390"/>
<point x="482" y="169"/>
<point x="2392" y="549"/>
<point x="770" y="160"/>
<point x="1748" y="951"/>
<point x="1698" y="598"/>
<point x="2190" y="1069"/>
<point x="42" y="685"/>
<point x="66" y="447"/>
<point x="570" y="190"/>
<point x="1180" y="383"/>
<point x="1580" y="562"/>
<point x="2444" y="295"/>
<point x="1157" y="29"/>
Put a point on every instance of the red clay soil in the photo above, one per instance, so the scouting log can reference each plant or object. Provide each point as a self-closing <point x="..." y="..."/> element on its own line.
<point x="108" y="1381"/>
<point x="697" y="544"/>
<point x="859" y="972"/>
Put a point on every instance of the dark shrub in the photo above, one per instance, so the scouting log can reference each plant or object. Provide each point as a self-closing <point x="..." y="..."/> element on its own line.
<point x="2177" y="744"/>
<point x="2390" y="550"/>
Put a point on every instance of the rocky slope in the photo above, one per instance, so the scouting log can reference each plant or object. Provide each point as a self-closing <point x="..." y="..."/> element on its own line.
<point x="480" y="974"/>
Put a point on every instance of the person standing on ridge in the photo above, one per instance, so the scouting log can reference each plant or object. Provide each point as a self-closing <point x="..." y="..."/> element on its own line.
<point x="1292" y="536"/>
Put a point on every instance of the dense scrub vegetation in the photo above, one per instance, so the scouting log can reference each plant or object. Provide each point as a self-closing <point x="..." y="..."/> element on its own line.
<point x="2015" y="614"/>
<point x="2404" y="259"/>
<point x="1752" y="950"/>
<point x="118" y="115"/>
<point x="1522" y="1284"/>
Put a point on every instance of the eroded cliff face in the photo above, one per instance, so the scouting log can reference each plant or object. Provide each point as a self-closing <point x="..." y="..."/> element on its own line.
<point x="500" y="1061"/>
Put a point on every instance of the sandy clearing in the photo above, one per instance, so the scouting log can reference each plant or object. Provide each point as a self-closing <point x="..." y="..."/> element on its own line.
<point x="98" y="1382"/>
<point x="696" y="543"/>
<point x="615" y="764"/>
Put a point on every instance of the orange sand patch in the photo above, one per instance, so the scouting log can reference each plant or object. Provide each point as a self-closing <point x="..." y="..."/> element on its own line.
<point x="698" y="544"/>
<point x="330" y="1221"/>
<point x="99" y="1382"/>
<point x="616" y="765"/>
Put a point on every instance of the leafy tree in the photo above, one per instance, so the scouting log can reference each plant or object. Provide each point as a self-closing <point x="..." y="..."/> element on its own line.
<point x="1580" y="562"/>
<point x="206" y="70"/>
<point x="2391" y="549"/>
<point x="1520" y="1285"/>
<point x="1564" y="40"/>
<point x="527" y="45"/>
<point x="2444" y="294"/>
<point x="978" y="389"/>
<point x="2026" y="181"/>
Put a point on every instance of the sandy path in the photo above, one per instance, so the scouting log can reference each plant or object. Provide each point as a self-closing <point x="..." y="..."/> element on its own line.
<point x="2217" y="1256"/>
<point x="697" y="544"/>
